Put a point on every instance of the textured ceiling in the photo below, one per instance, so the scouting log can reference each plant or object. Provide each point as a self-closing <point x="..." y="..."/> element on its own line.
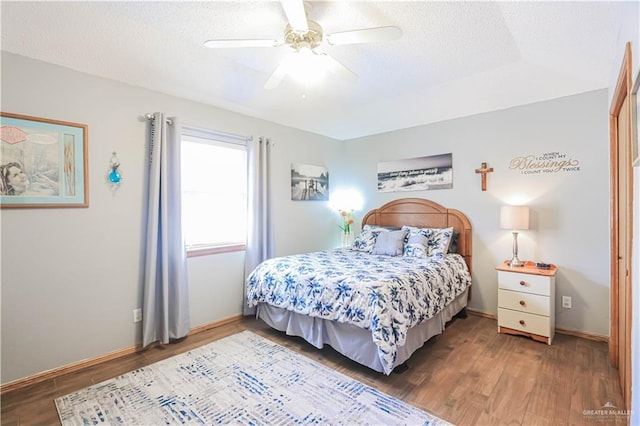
<point x="454" y="58"/>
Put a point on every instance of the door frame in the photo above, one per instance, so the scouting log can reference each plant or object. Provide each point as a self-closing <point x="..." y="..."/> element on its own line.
<point x="622" y="92"/>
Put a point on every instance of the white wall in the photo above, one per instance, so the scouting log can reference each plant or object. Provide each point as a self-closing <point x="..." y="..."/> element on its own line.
<point x="570" y="210"/>
<point x="71" y="277"/>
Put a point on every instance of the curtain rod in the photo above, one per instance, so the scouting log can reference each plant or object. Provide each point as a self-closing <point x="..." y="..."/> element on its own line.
<point x="198" y="132"/>
<point x="150" y="116"/>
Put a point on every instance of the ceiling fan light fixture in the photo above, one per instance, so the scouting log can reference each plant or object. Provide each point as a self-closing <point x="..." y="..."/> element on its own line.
<point x="312" y="37"/>
<point x="307" y="64"/>
<point x="306" y="67"/>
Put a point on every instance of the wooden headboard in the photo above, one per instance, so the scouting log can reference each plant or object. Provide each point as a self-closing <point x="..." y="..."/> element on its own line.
<point x="424" y="214"/>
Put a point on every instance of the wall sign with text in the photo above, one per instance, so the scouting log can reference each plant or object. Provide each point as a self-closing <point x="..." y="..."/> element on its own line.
<point x="545" y="163"/>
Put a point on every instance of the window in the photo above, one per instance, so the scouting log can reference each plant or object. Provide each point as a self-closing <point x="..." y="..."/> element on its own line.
<point x="214" y="192"/>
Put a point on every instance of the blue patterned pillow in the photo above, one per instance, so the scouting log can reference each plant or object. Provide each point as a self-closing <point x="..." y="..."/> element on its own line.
<point x="416" y="246"/>
<point x="435" y="241"/>
<point x="367" y="238"/>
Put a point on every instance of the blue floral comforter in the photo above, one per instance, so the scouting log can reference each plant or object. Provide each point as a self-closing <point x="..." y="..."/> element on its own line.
<point x="384" y="294"/>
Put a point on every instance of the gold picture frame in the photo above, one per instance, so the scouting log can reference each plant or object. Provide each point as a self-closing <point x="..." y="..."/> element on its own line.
<point x="43" y="162"/>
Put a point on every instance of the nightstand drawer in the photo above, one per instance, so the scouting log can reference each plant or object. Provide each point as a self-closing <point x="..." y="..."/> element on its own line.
<point x="526" y="283"/>
<point x="528" y="323"/>
<point x="524" y="302"/>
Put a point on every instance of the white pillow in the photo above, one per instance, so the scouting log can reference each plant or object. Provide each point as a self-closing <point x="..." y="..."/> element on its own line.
<point x="390" y="243"/>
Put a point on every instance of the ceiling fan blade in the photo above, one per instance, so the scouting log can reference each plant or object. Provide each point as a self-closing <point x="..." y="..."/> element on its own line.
<point x="336" y="67"/>
<point x="277" y="76"/>
<point x="224" y="44"/>
<point x="296" y="15"/>
<point x="368" y="35"/>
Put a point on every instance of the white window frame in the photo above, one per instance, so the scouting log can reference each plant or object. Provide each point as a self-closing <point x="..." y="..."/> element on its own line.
<point x="219" y="138"/>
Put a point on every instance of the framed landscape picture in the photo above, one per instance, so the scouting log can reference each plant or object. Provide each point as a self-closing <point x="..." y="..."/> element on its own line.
<point x="43" y="162"/>
<point x="309" y="183"/>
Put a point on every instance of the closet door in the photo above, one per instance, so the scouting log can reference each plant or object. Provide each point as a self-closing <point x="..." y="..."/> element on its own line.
<point x="621" y="226"/>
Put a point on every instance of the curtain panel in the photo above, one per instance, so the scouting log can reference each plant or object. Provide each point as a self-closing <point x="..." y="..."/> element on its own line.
<point x="260" y="242"/>
<point x="165" y="308"/>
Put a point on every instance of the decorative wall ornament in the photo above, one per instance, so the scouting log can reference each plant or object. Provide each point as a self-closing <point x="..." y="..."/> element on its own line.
<point x="114" y="177"/>
<point x="44" y="162"/>
<point x="484" y="170"/>
<point x="416" y="174"/>
<point x="309" y="183"/>
<point x="548" y="162"/>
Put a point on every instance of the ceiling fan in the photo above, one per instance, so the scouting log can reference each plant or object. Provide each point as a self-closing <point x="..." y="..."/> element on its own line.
<point x="305" y="38"/>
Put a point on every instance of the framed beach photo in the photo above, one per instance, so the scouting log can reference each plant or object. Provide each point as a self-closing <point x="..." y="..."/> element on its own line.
<point x="416" y="174"/>
<point x="43" y="162"/>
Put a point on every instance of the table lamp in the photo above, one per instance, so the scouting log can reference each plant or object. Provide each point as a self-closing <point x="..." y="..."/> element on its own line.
<point x="514" y="218"/>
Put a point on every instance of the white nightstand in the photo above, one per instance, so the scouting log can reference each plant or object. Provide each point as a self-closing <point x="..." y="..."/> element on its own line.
<point x="526" y="301"/>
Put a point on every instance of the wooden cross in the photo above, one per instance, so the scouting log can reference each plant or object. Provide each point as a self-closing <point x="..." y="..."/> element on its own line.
<point x="484" y="170"/>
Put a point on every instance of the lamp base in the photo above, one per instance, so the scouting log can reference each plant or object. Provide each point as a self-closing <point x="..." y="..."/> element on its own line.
<point x="515" y="262"/>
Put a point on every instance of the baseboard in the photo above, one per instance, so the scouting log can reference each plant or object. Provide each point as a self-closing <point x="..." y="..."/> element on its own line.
<point x="69" y="368"/>
<point x="479" y="313"/>
<point x="584" y="335"/>
<point x="90" y="362"/>
<point x="209" y="326"/>
<point x="576" y="333"/>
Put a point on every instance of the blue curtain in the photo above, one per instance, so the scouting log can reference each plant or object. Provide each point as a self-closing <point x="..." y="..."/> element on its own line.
<point x="259" y="245"/>
<point x="165" y="308"/>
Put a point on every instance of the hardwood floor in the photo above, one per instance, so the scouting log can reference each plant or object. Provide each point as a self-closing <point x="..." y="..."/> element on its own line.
<point x="470" y="375"/>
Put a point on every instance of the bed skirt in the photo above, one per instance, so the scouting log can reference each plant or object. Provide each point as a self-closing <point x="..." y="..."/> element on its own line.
<point x="354" y="342"/>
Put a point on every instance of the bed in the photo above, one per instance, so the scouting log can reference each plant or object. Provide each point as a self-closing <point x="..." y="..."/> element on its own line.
<point x="375" y="309"/>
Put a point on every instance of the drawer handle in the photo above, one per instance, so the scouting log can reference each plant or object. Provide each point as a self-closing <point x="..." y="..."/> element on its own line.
<point x="523" y="283"/>
<point x="521" y="322"/>
<point x="522" y="303"/>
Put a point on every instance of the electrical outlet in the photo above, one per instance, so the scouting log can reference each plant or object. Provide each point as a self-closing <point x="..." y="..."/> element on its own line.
<point x="137" y="315"/>
<point x="566" y="302"/>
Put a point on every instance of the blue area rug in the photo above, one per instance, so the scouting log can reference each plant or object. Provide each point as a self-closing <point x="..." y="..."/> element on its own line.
<point x="241" y="379"/>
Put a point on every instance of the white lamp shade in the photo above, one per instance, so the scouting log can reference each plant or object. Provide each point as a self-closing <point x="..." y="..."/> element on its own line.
<point x="345" y="199"/>
<point x="514" y="217"/>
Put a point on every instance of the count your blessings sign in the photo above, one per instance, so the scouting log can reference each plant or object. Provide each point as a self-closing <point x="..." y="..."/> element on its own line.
<point x="548" y="162"/>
